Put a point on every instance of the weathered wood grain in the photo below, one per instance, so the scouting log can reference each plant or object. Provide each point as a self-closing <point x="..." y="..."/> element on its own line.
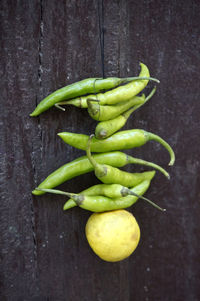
<point x="19" y="61"/>
<point x="46" y="45"/>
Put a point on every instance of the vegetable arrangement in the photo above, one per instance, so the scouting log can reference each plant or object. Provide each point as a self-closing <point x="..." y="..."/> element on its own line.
<point x="117" y="100"/>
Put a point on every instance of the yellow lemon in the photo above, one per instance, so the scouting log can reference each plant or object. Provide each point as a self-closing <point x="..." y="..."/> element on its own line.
<point x="113" y="235"/>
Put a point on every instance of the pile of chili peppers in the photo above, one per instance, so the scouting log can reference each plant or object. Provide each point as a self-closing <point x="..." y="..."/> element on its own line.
<point x="111" y="104"/>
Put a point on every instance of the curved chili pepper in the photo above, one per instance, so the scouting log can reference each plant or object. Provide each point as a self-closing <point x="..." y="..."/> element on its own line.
<point x="118" y="141"/>
<point x="100" y="203"/>
<point x="109" y="190"/>
<point x="106" y="128"/>
<point x="119" y="94"/>
<point x="82" y="165"/>
<point x="112" y="175"/>
<point x="83" y="87"/>
<point x="107" y="112"/>
<point x="112" y="191"/>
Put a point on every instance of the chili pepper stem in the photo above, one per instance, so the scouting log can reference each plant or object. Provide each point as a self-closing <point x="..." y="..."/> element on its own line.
<point x="93" y="109"/>
<point x="141" y="78"/>
<point x="154" y="205"/>
<point x="97" y="167"/>
<point x="150" y="164"/>
<point x="153" y="91"/>
<point x="130" y="111"/>
<point x="157" y="138"/>
<point x="59" y="107"/>
<point x="77" y="198"/>
<point x="123" y="81"/>
<point x="146" y="99"/>
<point x="147" y="200"/>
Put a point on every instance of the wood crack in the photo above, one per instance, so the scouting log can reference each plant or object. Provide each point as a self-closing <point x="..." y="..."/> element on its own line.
<point x="32" y="212"/>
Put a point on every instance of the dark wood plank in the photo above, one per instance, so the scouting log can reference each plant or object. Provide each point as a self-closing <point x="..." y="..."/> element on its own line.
<point x="165" y="37"/>
<point x="19" y="61"/>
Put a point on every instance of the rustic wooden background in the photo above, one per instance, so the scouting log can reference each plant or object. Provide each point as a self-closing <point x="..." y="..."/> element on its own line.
<point x="46" y="45"/>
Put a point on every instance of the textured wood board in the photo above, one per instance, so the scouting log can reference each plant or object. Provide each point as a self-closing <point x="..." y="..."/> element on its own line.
<point x="46" y="45"/>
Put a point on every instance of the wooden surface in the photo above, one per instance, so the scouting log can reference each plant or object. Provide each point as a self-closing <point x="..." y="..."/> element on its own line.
<point x="46" y="45"/>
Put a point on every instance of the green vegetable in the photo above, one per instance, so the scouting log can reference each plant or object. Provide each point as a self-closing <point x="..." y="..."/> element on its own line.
<point x="100" y="203"/>
<point x="89" y="85"/>
<point x="118" y="141"/>
<point x="112" y="175"/>
<point x="106" y="128"/>
<point x="113" y="191"/>
<point x="119" y="94"/>
<point x="82" y="165"/>
<point x="107" y="112"/>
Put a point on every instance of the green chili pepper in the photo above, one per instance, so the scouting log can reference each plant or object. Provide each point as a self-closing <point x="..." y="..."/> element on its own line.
<point x="82" y="165"/>
<point x="112" y="175"/>
<point x="100" y="203"/>
<point x="89" y="85"/>
<point x="118" y="141"/>
<point x="119" y="94"/>
<point x="108" y="190"/>
<point x="107" y="112"/>
<point x="106" y="128"/>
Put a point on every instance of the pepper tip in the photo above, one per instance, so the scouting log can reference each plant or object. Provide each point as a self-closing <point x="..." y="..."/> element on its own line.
<point x="34" y="192"/>
<point x="171" y="163"/>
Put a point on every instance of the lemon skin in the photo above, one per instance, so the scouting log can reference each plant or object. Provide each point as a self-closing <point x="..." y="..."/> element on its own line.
<point x="113" y="235"/>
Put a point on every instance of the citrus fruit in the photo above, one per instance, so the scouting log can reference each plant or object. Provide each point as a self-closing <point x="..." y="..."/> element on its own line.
<point x="113" y="235"/>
